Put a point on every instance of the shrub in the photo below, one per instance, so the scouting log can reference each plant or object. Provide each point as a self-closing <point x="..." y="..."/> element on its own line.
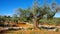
<point x="29" y="28"/>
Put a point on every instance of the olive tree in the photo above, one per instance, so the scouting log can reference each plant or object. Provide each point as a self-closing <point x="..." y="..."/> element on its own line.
<point x="36" y="12"/>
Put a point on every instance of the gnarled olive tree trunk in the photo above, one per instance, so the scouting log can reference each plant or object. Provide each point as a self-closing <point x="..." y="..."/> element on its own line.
<point x="35" y="21"/>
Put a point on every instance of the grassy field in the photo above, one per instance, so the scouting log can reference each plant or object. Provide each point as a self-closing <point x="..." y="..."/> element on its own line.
<point x="30" y="32"/>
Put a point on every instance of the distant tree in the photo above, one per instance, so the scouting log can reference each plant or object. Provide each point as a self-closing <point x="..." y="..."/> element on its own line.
<point x="15" y="18"/>
<point x="24" y="14"/>
<point x="2" y="20"/>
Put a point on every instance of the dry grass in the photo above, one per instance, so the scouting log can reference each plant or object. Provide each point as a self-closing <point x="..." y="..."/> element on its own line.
<point x="31" y="32"/>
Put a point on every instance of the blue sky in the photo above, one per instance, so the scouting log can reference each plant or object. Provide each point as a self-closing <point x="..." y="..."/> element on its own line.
<point x="7" y="7"/>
